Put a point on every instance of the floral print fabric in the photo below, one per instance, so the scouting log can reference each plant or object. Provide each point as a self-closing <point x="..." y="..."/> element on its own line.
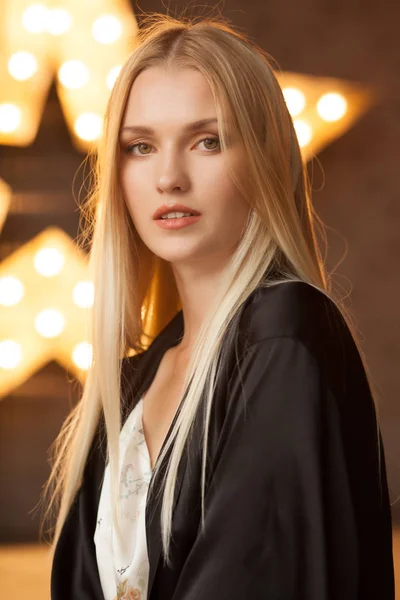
<point x="124" y="570"/>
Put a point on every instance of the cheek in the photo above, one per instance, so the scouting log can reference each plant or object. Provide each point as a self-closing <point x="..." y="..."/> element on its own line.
<point x="233" y="209"/>
<point x="228" y="199"/>
<point x="224" y="190"/>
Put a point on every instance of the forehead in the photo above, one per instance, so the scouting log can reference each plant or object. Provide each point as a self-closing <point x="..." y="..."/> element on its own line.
<point x="159" y="97"/>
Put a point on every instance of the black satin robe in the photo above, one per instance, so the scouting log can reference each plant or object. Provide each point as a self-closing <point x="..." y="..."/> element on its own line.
<point x="296" y="505"/>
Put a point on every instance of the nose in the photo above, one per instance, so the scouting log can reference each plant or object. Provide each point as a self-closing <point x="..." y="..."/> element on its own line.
<point x="172" y="176"/>
<point x="168" y="184"/>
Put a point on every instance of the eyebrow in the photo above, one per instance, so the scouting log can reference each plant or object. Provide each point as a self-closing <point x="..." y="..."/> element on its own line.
<point x="188" y="128"/>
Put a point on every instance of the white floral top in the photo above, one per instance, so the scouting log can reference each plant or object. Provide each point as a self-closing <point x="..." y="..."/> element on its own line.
<point x="124" y="571"/>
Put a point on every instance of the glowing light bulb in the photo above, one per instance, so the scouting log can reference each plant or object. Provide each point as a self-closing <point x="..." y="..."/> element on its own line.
<point x="112" y="76"/>
<point x="295" y="100"/>
<point x="59" y="21"/>
<point x="11" y="290"/>
<point x="88" y="126"/>
<point x="73" y="74"/>
<point x="34" y="18"/>
<point x="303" y="132"/>
<point x="332" y="106"/>
<point x="10" y="354"/>
<point x="22" y="65"/>
<point x="10" y="118"/>
<point x="48" y="261"/>
<point x="83" y="294"/>
<point x="106" y="29"/>
<point x="49" y="323"/>
<point x="82" y="355"/>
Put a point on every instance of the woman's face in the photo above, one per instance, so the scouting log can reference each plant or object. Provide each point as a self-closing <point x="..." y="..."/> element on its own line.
<point x="170" y="164"/>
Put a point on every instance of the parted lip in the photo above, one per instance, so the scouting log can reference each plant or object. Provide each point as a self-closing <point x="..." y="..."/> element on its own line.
<point x="164" y="209"/>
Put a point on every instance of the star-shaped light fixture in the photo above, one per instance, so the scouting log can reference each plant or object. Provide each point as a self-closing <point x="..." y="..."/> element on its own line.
<point x="45" y="299"/>
<point x="82" y="44"/>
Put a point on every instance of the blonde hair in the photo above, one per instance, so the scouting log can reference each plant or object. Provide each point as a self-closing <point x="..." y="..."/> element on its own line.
<point x="136" y="295"/>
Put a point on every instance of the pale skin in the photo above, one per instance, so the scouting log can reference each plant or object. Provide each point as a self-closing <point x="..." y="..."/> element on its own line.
<point x="172" y="165"/>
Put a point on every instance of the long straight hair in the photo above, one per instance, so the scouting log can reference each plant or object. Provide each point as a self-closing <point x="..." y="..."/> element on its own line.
<point x="135" y="292"/>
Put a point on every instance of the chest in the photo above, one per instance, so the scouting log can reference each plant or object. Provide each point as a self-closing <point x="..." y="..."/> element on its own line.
<point x="160" y="403"/>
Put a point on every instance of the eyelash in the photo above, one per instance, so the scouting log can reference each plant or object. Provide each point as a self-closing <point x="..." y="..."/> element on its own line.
<point x="129" y="148"/>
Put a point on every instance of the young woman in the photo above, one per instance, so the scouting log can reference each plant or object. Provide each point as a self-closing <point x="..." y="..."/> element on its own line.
<point x="226" y="444"/>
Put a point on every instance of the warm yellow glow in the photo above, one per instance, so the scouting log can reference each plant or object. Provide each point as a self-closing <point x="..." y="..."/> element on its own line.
<point x="48" y="261"/>
<point x="106" y="29"/>
<point x="295" y="100"/>
<point x="10" y="118"/>
<point x="303" y="132"/>
<point x="112" y="76"/>
<point x="73" y="74"/>
<point x="82" y="355"/>
<point x="10" y="354"/>
<point x="332" y="107"/>
<point x="83" y="294"/>
<point x="78" y="43"/>
<point x="49" y="323"/>
<point x="88" y="126"/>
<point x="22" y="65"/>
<point x="34" y="18"/>
<point x="11" y="290"/>
<point x="313" y="131"/>
<point x="59" y="21"/>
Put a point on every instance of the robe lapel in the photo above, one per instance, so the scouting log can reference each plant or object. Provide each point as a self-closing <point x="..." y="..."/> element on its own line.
<point x="148" y="365"/>
<point x="153" y="515"/>
<point x="168" y="338"/>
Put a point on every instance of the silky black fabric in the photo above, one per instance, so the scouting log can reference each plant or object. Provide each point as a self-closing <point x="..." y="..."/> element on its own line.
<point x="296" y="505"/>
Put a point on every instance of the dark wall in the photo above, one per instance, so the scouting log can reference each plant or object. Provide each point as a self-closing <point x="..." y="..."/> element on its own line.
<point x="30" y="419"/>
<point x="359" y="202"/>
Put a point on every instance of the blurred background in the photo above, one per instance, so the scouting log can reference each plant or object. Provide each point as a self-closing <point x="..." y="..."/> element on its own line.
<point x="339" y="64"/>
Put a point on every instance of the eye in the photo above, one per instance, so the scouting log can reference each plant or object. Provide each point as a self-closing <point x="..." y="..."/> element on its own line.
<point x="212" y="139"/>
<point x="130" y="148"/>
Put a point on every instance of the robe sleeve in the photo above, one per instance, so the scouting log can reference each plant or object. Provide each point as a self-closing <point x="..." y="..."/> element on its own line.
<point x="280" y="522"/>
